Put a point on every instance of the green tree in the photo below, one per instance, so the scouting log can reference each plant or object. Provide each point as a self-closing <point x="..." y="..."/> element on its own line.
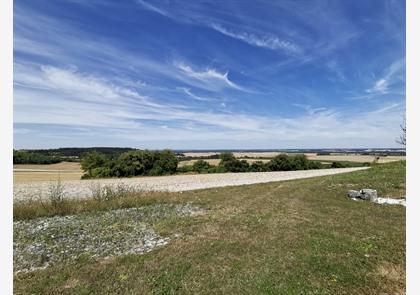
<point x="226" y="157"/>
<point x="92" y="160"/>
<point x="165" y="162"/>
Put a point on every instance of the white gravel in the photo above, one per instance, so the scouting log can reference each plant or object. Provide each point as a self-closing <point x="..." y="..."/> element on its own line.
<point x="40" y="242"/>
<point x="389" y="201"/>
<point x="175" y="183"/>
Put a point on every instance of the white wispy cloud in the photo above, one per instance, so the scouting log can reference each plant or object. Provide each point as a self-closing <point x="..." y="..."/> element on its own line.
<point x="310" y="109"/>
<point x="51" y="100"/>
<point x="208" y="76"/>
<point x="266" y="41"/>
<point x="381" y="86"/>
<point x="192" y="95"/>
<point x="153" y="8"/>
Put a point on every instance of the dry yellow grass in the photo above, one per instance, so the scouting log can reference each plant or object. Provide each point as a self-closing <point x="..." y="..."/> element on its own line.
<point x="65" y="166"/>
<point x="32" y="172"/>
<point x="45" y="176"/>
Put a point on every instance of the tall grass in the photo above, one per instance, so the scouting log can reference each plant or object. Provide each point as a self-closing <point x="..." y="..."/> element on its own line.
<point x="103" y="197"/>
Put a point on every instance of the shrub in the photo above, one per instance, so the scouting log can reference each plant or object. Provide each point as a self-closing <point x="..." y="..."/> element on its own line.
<point x="135" y="163"/>
<point x="185" y="169"/>
<point x="217" y="169"/>
<point x="108" y="192"/>
<point x="235" y="165"/>
<point x="226" y="157"/>
<point x="314" y="165"/>
<point x="201" y="166"/>
<point x="258" y="166"/>
<point x="56" y="193"/>
<point x="280" y="163"/>
<point x="300" y="162"/>
<point x="288" y="163"/>
<point x="165" y="162"/>
<point x="337" y="165"/>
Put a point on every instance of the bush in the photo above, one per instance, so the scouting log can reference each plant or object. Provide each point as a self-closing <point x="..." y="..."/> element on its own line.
<point x="258" y="166"/>
<point x="280" y="163"/>
<point x="337" y="165"/>
<point x="315" y="165"/>
<point x="231" y="164"/>
<point x="226" y="157"/>
<point x="165" y="162"/>
<point x="201" y="166"/>
<point x="56" y="193"/>
<point x="287" y="163"/>
<point x="105" y="193"/>
<point x="185" y="169"/>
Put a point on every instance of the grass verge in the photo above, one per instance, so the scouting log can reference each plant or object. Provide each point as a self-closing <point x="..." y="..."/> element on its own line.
<point x="293" y="237"/>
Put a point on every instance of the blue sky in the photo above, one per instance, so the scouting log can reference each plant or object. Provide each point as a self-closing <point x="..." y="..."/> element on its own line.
<point x="208" y="74"/>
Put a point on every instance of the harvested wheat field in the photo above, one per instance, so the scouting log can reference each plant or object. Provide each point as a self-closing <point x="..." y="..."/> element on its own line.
<point x="48" y="172"/>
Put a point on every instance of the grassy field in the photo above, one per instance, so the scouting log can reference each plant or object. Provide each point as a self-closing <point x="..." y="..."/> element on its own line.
<point x="292" y="237"/>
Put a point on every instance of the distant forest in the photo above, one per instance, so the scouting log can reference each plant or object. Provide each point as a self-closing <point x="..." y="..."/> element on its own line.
<point x="50" y="156"/>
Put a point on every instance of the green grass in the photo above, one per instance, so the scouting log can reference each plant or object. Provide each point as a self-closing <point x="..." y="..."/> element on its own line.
<point x="293" y="237"/>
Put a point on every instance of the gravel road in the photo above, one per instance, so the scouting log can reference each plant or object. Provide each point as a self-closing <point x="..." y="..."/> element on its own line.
<point x="175" y="183"/>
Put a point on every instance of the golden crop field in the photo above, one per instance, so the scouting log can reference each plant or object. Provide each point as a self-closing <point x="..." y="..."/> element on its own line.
<point x="63" y="171"/>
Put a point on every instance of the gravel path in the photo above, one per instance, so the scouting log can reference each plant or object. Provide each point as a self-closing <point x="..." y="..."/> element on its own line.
<point x="175" y="183"/>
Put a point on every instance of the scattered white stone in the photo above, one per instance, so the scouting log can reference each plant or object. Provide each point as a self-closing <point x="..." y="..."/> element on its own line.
<point x="372" y="195"/>
<point x="41" y="242"/>
<point x="389" y="201"/>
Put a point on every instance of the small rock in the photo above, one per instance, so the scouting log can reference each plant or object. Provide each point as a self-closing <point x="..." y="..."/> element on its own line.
<point x="353" y="194"/>
<point x="369" y="195"/>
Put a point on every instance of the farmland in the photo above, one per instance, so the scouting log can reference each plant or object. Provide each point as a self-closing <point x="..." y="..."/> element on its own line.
<point x="48" y="172"/>
<point x="73" y="171"/>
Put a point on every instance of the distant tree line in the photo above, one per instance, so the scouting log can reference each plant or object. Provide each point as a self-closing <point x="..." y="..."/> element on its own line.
<point x="182" y="157"/>
<point x="25" y="157"/>
<point x="80" y="152"/>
